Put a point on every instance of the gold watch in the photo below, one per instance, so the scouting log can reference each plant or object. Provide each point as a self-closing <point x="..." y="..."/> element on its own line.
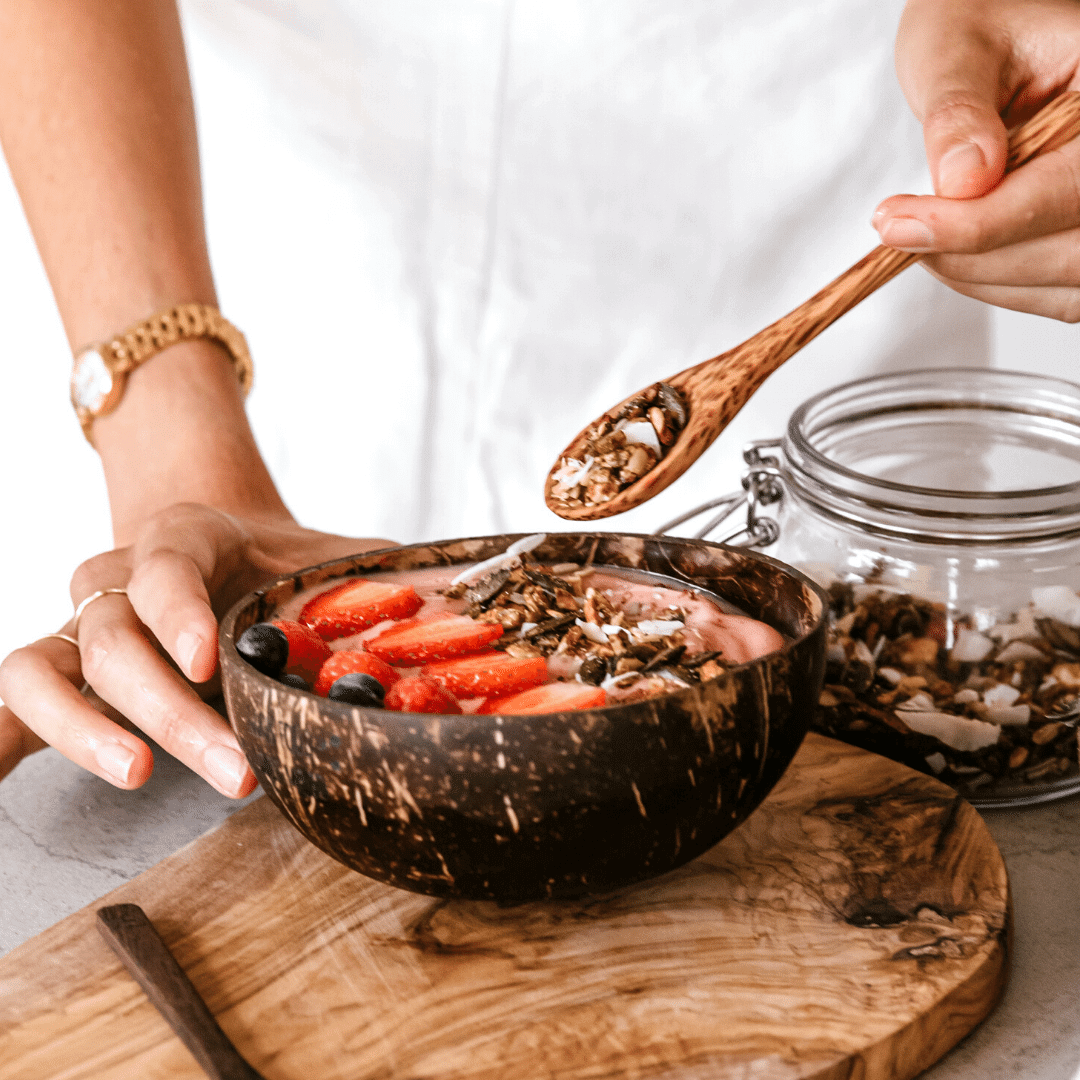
<point x="101" y="370"/>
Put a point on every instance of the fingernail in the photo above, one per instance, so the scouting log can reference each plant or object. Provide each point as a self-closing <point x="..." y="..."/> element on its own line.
<point x="907" y="234"/>
<point x="187" y="647"/>
<point x="226" y="767"/>
<point x="116" y="759"/>
<point x="876" y="216"/>
<point x="957" y="167"/>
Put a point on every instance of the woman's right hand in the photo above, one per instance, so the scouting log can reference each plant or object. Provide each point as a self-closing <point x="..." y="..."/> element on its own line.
<point x="148" y="653"/>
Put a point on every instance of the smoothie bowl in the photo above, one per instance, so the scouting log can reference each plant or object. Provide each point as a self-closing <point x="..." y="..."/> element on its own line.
<point x="642" y="736"/>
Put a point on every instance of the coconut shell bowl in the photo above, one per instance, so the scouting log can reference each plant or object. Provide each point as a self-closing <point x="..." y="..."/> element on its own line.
<point x="517" y="808"/>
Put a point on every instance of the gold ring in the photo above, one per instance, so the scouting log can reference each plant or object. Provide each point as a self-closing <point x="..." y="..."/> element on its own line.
<point x="88" y="601"/>
<point x="62" y="637"/>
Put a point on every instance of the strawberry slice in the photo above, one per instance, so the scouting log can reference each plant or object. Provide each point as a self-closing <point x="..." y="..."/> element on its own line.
<point x="488" y="673"/>
<point x="358" y="603"/>
<point x="349" y="661"/>
<point x="418" y="641"/>
<point x="307" y="651"/>
<point x="552" y="697"/>
<point x="418" y="693"/>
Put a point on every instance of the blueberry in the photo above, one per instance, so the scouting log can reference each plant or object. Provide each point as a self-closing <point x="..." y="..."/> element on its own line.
<point x="358" y="688"/>
<point x="264" y="647"/>
<point x="297" y="682"/>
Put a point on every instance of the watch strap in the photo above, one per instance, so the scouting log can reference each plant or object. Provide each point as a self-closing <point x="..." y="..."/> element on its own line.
<point x="182" y="322"/>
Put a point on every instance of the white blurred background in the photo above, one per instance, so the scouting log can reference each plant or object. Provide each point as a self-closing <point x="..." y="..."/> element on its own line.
<point x="54" y="511"/>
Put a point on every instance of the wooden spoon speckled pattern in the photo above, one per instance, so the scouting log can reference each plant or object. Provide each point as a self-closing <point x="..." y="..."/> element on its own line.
<point x="718" y="388"/>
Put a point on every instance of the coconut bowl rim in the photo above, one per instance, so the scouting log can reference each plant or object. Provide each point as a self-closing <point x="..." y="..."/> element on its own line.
<point x="228" y="652"/>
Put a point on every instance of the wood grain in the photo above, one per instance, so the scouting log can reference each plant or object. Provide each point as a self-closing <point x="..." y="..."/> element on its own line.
<point x="717" y="389"/>
<point x="855" y="925"/>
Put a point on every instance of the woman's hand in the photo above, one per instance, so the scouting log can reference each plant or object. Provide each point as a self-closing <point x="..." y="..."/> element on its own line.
<point x="970" y="69"/>
<point x="142" y="653"/>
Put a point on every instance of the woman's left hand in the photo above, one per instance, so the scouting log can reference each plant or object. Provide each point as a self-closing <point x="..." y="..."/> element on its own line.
<point x="970" y="69"/>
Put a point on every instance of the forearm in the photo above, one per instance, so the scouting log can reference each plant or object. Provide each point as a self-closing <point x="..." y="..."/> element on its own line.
<point x="98" y="127"/>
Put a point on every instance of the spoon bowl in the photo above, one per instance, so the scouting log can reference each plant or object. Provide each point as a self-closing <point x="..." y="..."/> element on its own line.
<point x="715" y="390"/>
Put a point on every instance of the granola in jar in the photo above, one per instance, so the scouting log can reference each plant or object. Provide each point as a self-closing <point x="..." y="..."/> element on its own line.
<point x="988" y="711"/>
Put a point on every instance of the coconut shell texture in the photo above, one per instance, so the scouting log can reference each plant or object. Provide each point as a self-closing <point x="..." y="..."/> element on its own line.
<point x="516" y="808"/>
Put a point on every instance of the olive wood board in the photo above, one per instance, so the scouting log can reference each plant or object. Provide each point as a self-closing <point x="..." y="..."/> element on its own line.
<point x="857" y="925"/>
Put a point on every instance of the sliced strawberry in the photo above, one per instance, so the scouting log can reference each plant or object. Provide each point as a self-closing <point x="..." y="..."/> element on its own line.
<point x="418" y="641"/>
<point x="349" y="661"/>
<point x="418" y="693"/>
<point x="488" y="673"/>
<point x="552" y="697"/>
<point x="358" y="603"/>
<point x="307" y="650"/>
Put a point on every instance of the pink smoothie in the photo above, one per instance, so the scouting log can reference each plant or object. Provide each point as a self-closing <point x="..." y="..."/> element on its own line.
<point x="706" y="628"/>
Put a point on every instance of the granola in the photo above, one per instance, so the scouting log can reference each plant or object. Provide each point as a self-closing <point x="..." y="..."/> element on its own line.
<point x="621" y="448"/>
<point x="982" y="709"/>
<point x="556" y="612"/>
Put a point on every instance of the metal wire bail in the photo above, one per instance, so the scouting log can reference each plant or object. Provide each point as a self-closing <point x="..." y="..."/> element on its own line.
<point x="761" y="486"/>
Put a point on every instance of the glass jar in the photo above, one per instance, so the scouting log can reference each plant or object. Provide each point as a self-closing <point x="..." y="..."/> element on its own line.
<point x="941" y="509"/>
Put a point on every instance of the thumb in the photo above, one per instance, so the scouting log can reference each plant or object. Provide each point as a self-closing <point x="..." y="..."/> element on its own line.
<point x="966" y="145"/>
<point x="951" y="69"/>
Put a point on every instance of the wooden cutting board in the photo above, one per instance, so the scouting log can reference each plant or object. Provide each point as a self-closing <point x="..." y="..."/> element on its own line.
<point x="855" y="926"/>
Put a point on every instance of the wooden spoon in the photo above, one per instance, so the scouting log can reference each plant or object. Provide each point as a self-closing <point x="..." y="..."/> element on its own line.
<point x="133" y="938"/>
<point x="718" y="388"/>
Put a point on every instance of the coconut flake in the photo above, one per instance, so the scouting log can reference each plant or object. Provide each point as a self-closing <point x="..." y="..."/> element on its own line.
<point x="918" y="702"/>
<point x="526" y="543"/>
<point x="1001" y="694"/>
<point x="862" y="652"/>
<point x="671" y="677"/>
<point x="622" y="681"/>
<point x="954" y="731"/>
<point x="640" y="432"/>
<point x="659" y="627"/>
<point x="837" y="654"/>
<point x="936" y="762"/>
<point x="891" y="674"/>
<point x="592" y="632"/>
<point x="970" y="647"/>
<point x="611" y="629"/>
<point x="1059" y="602"/>
<point x="1009" y="714"/>
<point x="527" y="626"/>
<point x="509" y="558"/>
<point x="1023" y="627"/>
<point x="573" y="472"/>
<point x="966" y="696"/>
<point x="1017" y="650"/>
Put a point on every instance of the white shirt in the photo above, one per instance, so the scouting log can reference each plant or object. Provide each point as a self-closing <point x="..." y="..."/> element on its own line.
<point x="455" y="232"/>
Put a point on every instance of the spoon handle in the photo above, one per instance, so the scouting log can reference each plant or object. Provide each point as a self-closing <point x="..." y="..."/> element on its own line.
<point x="133" y="938"/>
<point x="746" y="367"/>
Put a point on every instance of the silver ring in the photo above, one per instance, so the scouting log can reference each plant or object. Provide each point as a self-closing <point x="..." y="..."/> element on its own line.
<point x="62" y="637"/>
<point x="88" y="601"/>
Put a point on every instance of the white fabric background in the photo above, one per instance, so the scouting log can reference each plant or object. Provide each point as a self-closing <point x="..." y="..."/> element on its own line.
<point x="454" y="233"/>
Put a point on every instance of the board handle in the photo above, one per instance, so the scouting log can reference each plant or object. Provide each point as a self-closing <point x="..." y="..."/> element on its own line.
<point x="132" y="936"/>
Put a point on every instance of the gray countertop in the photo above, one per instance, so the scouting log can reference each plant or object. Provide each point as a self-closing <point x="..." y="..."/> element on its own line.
<point x="66" y="838"/>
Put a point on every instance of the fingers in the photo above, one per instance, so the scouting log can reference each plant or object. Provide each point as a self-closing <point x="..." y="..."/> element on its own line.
<point x="124" y="668"/>
<point x="952" y="61"/>
<point x="44" y="707"/>
<point x="169" y="595"/>
<point x="1052" y="302"/>
<point x="16" y="741"/>
<point x="1052" y="261"/>
<point x="1041" y="198"/>
<point x="167" y="601"/>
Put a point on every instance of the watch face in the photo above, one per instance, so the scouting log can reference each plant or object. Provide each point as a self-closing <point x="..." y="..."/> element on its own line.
<point x="91" y="381"/>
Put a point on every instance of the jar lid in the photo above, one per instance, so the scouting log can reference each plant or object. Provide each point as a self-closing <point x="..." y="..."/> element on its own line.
<point x="949" y="455"/>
